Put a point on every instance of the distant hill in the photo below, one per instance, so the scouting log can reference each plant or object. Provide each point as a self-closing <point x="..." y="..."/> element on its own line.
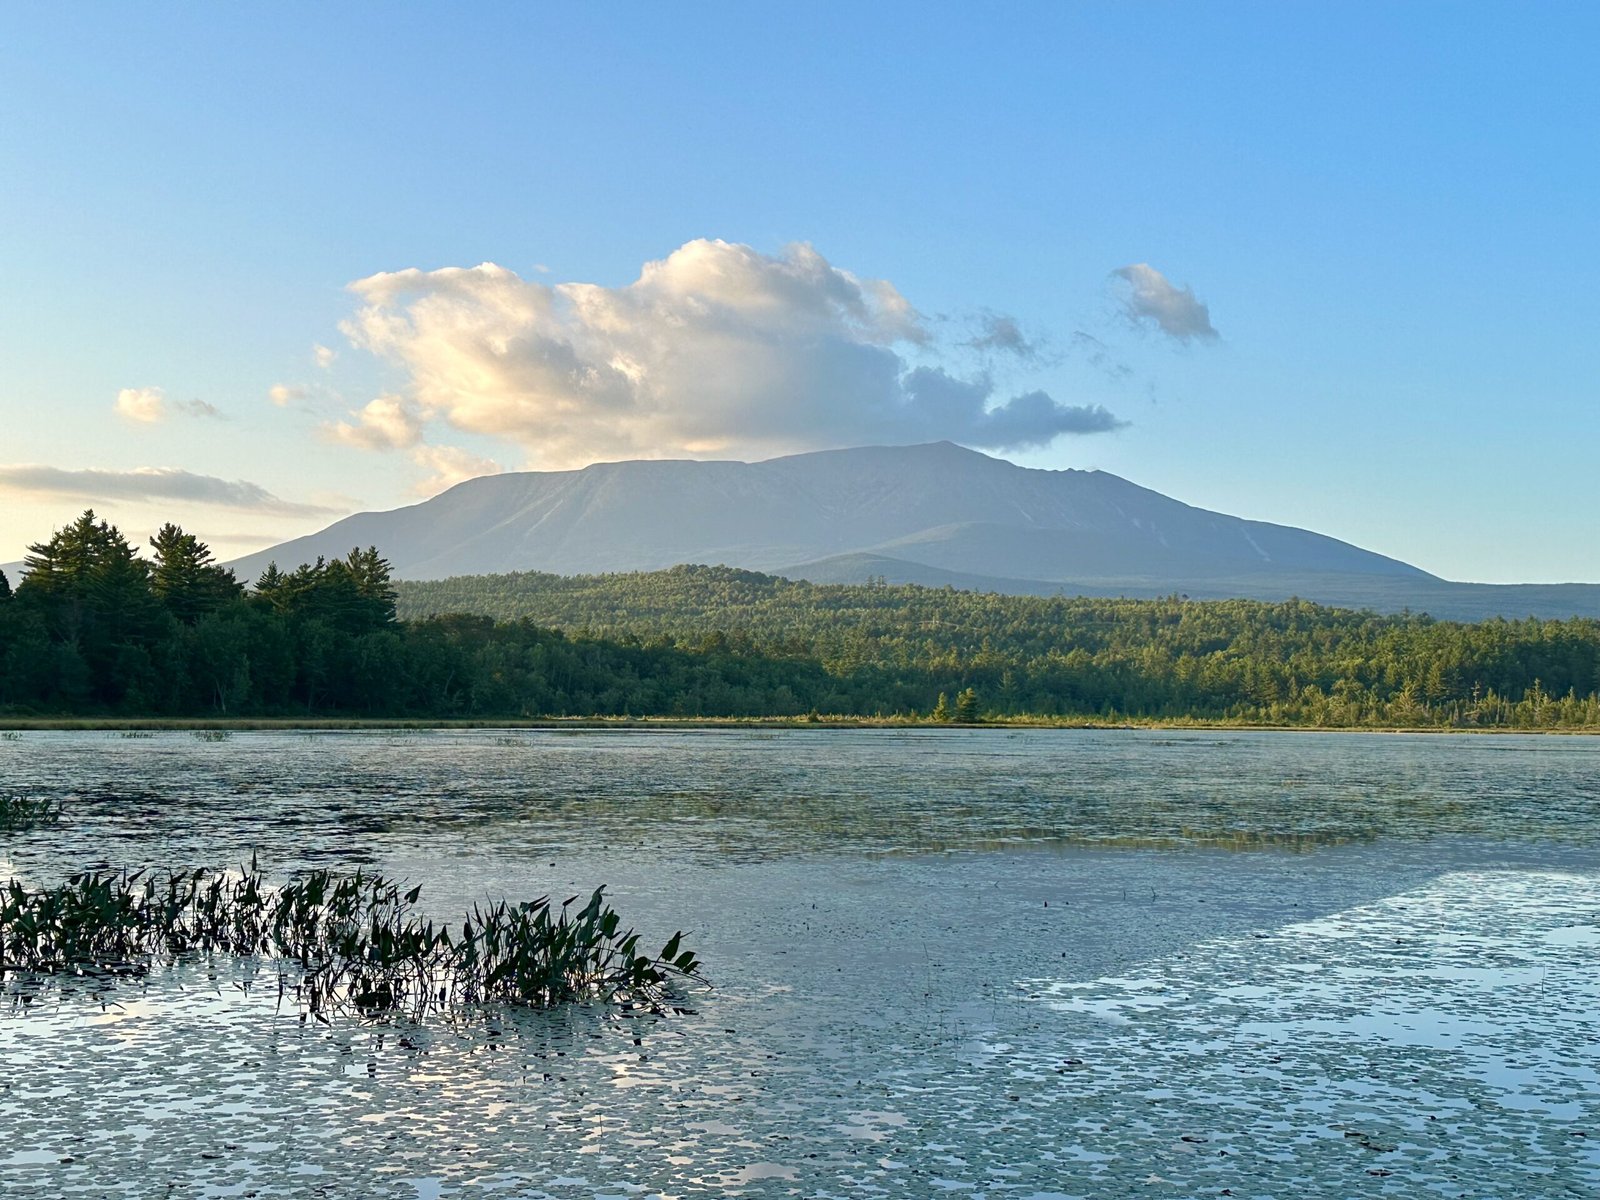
<point x="934" y="514"/>
<point x="1441" y="598"/>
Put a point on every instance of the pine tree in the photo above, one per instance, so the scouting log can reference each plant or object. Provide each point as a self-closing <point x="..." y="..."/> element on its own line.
<point x="270" y="587"/>
<point x="93" y="592"/>
<point x="967" y="708"/>
<point x="941" y="710"/>
<point x="185" y="578"/>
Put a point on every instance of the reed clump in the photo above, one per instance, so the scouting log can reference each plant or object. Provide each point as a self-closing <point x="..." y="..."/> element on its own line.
<point x="23" y="812"/>
<point x="339" y="941"/>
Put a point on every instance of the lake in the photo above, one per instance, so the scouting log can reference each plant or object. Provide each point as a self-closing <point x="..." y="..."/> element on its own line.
<point x="987" y="963"/>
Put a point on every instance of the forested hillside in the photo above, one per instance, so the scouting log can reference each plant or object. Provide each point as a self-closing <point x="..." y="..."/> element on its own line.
<point x="97" y="628"/>
<point x="1292" y="662"/>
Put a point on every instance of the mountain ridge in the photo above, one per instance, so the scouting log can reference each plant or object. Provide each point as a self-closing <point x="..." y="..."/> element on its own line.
<point x="939" y="504"/>
<point x="936" y="514"/>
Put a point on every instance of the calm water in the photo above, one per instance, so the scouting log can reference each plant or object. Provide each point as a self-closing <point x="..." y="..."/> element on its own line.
<point x="992" y="963"/>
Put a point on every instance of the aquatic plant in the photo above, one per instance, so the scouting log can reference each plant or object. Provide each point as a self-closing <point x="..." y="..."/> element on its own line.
<point x="212" y="735"/>
<point x="21" y="812"/>
<point x="338" y="941"/>
<point x="10" y="735"/>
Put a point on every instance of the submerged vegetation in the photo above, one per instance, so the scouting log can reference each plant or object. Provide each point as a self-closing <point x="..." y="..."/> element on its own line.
<point x="338" y="941"/>
<point x="96" y="630"/>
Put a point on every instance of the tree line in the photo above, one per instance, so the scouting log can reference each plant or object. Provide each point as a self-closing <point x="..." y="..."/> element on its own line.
<point x="95" y="627"/>
<point x="1291" y="663"/>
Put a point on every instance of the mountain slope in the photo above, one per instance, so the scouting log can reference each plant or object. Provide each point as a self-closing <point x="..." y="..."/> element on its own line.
<point x="939" y="506"/>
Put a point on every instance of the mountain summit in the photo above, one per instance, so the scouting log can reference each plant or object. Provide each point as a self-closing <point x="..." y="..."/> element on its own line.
<point x="931" y="513"/>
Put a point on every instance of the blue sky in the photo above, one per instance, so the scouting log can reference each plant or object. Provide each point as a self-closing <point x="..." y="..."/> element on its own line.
<point x="1388" y="212"/>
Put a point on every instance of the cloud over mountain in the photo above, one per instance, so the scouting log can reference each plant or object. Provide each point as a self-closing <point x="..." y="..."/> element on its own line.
<point x="1150" y="298"/>
<point x="715" y="349"/>
<point x="387" y="423"/>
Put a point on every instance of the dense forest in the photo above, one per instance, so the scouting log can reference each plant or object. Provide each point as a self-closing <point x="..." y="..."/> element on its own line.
<point x="97" y="628"/>
<point x="895" y="648"/>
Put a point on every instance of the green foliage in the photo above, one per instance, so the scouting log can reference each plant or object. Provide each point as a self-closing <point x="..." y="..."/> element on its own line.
<point x="339" y="941"/>
<point x="185" y="578"/>
<point x="894" y="649"/>
<point x="967" y="712"/>
<point x="352" y="595"/>
<point x="90" y="595"/>
<point x="95" y="630"/>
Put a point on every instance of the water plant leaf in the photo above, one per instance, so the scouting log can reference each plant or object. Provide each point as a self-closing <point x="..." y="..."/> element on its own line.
<point x="339" y="941"/>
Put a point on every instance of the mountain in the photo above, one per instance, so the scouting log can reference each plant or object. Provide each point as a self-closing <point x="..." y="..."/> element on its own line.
<point x="938" y="504"/>
<point x="932" y="514"/>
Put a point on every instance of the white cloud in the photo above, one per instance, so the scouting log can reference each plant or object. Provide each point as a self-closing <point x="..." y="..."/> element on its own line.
<point x="146" y="405"/>
<point x="449" y="465"/>
<point x="285" y="394"/>
<point x="715" y="349"/>
<point x="322" y="355"/>
<point x="149" y="405"/>
<point x="387" y="423"/>
<point x="1150" y="298"/>
<point x="148" y="483"/>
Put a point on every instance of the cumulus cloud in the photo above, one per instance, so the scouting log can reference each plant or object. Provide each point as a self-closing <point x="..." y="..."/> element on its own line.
<point x="448" y="466"/>
<point x="149" y="483"/>
<point x="149" y="405"/>
<point x="1150" y="298"/>
<point x="1031" y="419"/>
<point x="716" y="348"/>
<point x="387" y="423"/>
<point x="146" y="405"/>
<point x="322" y="355"/>
<point x="285" y="394"/>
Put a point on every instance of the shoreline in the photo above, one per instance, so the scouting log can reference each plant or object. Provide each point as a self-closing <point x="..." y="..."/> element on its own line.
<point x="358" y="724"/>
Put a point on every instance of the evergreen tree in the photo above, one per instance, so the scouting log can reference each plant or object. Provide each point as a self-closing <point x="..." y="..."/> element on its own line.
<point x="93" y="593"/>
<point x="271" y="588"/>
<point x="941" y="710"/>
<point x="5" y="588"/>
<point x="185" y="578"/>
<point x="967" y="707"/>
<point x="370" y="572"/>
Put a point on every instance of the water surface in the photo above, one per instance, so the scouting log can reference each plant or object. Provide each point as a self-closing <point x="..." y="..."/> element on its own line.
<point x="988" y="963"/>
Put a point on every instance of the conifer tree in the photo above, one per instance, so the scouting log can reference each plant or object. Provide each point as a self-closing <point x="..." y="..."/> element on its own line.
<point x="185" y="578"/>
<point x="967" y="707"/>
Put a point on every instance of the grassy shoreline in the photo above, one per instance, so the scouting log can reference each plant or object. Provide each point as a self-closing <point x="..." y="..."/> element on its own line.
<point x="356" y="724"/>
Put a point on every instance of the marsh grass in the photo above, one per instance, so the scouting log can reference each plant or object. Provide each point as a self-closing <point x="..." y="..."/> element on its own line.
<point x="212" y="735"/>
<point x="340" y="942"/>
<point x="24" y="812"/>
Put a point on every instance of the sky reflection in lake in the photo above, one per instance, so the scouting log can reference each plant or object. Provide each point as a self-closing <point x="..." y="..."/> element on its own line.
<point x="1050" y="1006"/>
